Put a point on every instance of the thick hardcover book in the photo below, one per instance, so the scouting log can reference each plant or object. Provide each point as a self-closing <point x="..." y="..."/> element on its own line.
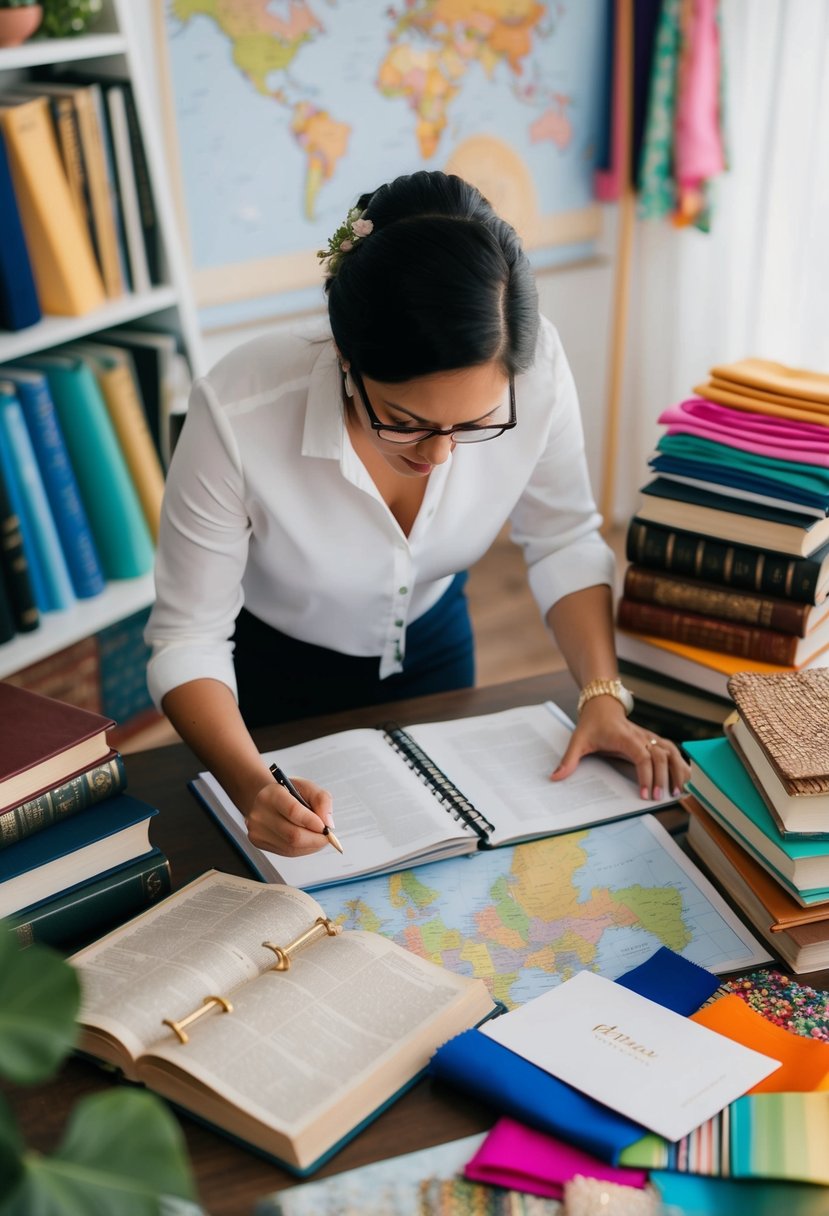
<point x="754" y="569"/>
<point x="799" y="935"/>
<point x="15" y="488"/>
<point x="128" y="189"/>
<point x="44" y="742"/>
<point x="65" y="271"/>
<point x="674" y="505"/>
<point x="14" y="566"/>
<point x="701" y="669"/>
<point x="155" y="357"/>
<point x="434" y="790"/>
<point x="720" y="782"/>
<point x="19" y="304"/>
<point x="307" y="1032"/>
<point x="724" y="603"/>
<point x="40" y="527"/>
<point x="788" y="715"/>
<point x="115" y="373"/>
<point x="89" y="909"/>
<point x="119" y="528"/>
<point x="101" y="780"/>
<point x="660" y="690"/>
<point x="804" y="812"/>
<point x="731" y="637"/>
<point x="59" y="480"/>
<point x="74" y="850"/>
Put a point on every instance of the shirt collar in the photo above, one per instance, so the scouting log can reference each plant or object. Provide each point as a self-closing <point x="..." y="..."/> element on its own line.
<point x="324" y="422"/>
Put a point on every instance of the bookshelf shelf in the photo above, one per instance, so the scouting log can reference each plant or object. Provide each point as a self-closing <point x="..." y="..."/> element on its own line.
<point x="52" y="331"/>
<point x="61" y="629"/>
<point x="61" y="50"/>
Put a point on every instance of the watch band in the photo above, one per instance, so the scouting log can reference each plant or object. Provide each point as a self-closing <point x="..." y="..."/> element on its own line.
<point x="606" y="688"/>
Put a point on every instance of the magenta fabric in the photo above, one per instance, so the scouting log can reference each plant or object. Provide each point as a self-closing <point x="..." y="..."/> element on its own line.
<point x="766" y="434"/>
<point x="524" y="1159"/>
<point x="698" y="150"/>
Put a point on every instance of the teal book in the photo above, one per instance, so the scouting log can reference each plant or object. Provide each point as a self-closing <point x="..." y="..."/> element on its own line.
<point x="721" y="782"/>
<point x="119" y="528"/>
<point x="53" y="586"/>
<point x="91" y="908"/>
<point x="59" y="480"/>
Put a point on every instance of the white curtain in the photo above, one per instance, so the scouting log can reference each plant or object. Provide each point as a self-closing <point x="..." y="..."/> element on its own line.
<point x="758" y="283"/>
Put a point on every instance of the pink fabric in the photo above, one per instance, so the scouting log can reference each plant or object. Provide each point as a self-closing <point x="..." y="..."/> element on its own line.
<point x="523" y="1159"/>
<point x="607" y="183"/>
<point x="698" y="150"/>
<point x="766" y="434"/>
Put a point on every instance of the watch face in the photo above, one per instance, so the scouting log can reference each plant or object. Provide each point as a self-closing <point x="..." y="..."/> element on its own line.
<point x="626" y="697"/>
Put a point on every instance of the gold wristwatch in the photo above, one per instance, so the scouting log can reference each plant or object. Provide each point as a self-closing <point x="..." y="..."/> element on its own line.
<point x="606" y="688"/>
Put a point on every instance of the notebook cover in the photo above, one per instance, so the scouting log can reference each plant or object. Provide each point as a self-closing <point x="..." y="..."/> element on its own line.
<point x="788" y="715"/>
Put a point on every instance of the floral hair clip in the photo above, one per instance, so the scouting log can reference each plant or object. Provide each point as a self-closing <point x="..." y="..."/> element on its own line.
<point x="353" y="228"/>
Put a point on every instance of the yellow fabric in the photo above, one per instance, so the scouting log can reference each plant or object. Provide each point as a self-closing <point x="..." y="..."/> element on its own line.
<point x="739" y="400"/>
<point x="801" y="383"/>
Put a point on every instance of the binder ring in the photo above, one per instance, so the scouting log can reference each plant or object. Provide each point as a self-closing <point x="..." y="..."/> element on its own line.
<point x="322" y="927"/>
<point x="206" y="1005"/>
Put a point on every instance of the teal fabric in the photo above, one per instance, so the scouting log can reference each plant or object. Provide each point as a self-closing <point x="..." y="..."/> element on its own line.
<point x="807" y="476"/>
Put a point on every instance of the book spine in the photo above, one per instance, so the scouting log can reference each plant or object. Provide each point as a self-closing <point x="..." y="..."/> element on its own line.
<point x="707" y="632"/>
<point x="14" y="565"/>
<point x="103" y="215"/>
<point x="59" y="583"/>
<point x="17" y="496"/>
<point x="7" y="626"/>
<point x="143" y="185"/>
<point x="690" y="595"/>
<point x="715" y="561"/>
<point x="444" y="790"/>
<point x="71" y="675"/>
<point x="62" y="490"/>
<point x="123" y="401"/>
<point x="91" y="908"/>
<point x="19" y="303"/>
<point x="64" y="800"/>
<point x="65" y="121"/>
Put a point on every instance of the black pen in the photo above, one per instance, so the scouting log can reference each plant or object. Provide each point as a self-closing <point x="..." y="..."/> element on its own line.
<point x="286" y="781"/>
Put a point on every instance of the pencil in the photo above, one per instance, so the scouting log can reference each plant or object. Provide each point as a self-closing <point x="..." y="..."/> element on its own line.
<point x="286" y="781"/>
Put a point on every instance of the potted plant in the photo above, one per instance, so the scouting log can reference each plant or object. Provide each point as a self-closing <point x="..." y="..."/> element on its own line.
<point x="121" y="1152"/>
<point x="18" y="20"/>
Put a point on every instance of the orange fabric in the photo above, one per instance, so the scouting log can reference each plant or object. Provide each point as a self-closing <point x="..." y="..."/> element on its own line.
<point x="804" y="1063"/>
<point x="754" y="402"/>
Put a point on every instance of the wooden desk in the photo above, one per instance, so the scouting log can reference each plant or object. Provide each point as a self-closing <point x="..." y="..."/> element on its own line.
<point x="230" y="1178"/>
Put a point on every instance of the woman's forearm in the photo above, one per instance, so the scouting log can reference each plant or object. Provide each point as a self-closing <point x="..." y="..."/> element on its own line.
<point x="583" y="626"/>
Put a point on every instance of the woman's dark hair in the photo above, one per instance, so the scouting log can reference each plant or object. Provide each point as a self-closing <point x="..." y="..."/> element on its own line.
<point x="441" y="282"/>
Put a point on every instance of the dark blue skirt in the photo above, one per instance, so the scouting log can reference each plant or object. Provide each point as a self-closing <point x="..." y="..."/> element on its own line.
<point x="280" y="678"/>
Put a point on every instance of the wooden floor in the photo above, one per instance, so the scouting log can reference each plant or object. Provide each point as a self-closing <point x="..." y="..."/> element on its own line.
<point x="511" y="639"/>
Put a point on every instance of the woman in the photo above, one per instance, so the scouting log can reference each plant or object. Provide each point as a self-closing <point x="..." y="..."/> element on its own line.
<point x="332" y="485"/>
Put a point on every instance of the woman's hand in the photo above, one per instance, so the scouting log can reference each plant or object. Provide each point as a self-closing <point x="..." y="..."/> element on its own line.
<point x="603" y="727"/>
<point x="278" y="823"/>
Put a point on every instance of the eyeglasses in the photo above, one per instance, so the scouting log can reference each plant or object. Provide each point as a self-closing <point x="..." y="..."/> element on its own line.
<point x="470" y="433"/>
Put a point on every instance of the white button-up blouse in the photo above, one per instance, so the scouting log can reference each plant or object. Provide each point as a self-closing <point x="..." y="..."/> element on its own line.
<point x="267" y="504"/>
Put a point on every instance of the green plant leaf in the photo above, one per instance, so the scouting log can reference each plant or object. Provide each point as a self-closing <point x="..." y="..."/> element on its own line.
<point x="122" y="1152"/>
<point x="11" y="1151"/>
<point x="39" y="998"/>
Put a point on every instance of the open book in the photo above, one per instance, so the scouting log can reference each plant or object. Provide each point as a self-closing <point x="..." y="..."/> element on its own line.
<point x="194" y="999"/>
<point x="405" y="797"/>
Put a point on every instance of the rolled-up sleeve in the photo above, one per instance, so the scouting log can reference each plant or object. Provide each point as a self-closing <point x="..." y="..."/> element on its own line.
<point x="555" y="520"/>
<point x="202" y="552"/>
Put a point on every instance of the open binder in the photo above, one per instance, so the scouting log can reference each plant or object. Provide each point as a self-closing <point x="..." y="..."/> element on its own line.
<point x="407" y="796"/>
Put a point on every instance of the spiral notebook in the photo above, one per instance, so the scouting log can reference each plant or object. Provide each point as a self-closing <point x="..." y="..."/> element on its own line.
<point x="403" y="797"/>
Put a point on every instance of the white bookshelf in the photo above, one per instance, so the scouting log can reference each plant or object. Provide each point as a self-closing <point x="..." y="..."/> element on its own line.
<point x="111" y="49"/>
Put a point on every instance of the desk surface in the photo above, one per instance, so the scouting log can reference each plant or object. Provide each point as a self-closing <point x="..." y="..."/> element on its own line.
<point x="230" y="1178"/>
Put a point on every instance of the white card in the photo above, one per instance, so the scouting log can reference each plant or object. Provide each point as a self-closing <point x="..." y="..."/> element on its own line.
<point x="638" y="1058"/>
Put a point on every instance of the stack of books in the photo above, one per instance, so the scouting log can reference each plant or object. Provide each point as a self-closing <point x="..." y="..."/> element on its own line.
<point x="75" y="850"/>
<point x="729" y="547"/>
<point x="758" y="799"/>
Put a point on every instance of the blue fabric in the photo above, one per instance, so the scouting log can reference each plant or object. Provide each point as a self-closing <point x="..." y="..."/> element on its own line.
<point x="512" y="1086"/>
<point x="280" y="678"/>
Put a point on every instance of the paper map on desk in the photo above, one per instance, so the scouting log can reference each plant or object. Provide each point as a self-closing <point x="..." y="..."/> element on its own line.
<point x="527" y="917"/>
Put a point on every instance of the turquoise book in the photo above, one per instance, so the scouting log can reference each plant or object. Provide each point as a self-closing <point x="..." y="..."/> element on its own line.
<point x="52" y="584"/>
<point x="119" y="528"/>
<point x="59" y="480"/>
<point x="720" y="781"/>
